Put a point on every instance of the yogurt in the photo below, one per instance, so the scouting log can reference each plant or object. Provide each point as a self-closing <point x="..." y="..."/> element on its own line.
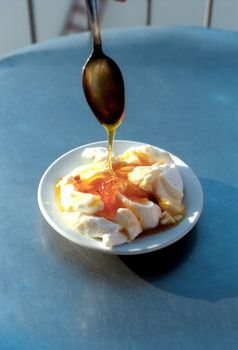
<point x="146" y="192"/>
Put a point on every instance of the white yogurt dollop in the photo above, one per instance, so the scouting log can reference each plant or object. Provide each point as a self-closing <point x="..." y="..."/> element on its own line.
<point x="152" y="170"/>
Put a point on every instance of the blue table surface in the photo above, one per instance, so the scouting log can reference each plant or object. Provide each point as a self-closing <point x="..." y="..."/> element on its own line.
<point x="181" y="95"/>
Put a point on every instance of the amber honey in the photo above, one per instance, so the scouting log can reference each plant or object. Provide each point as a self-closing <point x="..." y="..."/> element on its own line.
<point x="107" y="187"/>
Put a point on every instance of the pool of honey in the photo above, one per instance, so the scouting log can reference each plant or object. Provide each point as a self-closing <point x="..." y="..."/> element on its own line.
<point x="108" y="186"/>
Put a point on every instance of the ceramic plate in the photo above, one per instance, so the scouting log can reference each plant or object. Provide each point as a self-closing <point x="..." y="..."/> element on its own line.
<point x="193" y="200"/>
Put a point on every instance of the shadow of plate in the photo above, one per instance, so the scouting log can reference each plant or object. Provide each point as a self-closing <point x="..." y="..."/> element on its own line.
<point x="204" y="264"/>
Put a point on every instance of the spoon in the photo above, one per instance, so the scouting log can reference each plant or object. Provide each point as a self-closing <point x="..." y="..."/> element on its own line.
<point x="103" y="83"/>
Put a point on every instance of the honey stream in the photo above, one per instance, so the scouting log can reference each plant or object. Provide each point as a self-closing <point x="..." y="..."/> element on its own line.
<point x="111" y="131"/>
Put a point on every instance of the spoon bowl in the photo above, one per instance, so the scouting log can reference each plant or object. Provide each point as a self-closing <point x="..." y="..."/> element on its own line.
<point x="102" y="80"/>
<point x="104" y="88"/>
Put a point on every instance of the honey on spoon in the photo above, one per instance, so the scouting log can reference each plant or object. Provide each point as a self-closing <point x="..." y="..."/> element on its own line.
<point x="103" y="84"/>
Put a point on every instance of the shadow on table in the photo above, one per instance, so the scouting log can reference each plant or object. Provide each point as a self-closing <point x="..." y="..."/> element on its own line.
<point x="156" y="265"/>
<point x="80" y="263"/>
<point x="204" y="263"/>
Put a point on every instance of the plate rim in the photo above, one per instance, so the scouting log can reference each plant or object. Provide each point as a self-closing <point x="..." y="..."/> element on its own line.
<point x="124" y="249"/>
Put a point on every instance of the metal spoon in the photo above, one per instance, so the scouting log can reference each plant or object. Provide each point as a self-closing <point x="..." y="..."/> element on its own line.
<point x="102" y="79"/>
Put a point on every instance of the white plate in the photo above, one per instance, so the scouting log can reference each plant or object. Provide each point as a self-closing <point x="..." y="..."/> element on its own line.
<point x="193" y="200"/>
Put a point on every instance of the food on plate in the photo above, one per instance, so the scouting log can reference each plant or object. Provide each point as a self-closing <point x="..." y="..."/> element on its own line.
<point x="145" y="192"/>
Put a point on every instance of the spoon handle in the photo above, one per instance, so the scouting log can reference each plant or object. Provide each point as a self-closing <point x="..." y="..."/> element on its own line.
<point x="93" y="21"/>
